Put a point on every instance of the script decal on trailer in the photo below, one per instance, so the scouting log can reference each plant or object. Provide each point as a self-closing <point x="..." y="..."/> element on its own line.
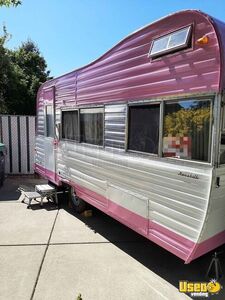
<point x="190" y="175"/>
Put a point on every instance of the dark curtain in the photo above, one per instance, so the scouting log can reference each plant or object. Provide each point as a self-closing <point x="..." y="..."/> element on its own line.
<point x="144" y="128"/>
<point x="70" y="125"/>
<point x="91" y="126"/>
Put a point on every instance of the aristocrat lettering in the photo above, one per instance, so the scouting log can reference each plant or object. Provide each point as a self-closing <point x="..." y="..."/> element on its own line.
<point x="190" y="175"/>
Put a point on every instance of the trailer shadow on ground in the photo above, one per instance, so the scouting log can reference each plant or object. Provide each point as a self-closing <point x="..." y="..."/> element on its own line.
<point x="153" y="257"/>
<point x="9" y="190"/>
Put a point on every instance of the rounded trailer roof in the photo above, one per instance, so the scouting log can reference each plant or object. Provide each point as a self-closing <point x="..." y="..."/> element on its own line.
<point x="126" y="72"/>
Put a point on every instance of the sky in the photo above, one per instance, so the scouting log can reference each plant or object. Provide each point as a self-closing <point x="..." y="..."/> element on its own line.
<point x="72" y="33"/>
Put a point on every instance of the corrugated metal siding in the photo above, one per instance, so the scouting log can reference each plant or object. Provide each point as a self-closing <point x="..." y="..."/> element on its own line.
<point x="176" y="202"/>
<point x="40" y="123"/>
<point x="18" y="134"/>
<point x="40" y="114"/>
<point x="66" y="91"/>
<point x="215" y="216"/>
<point x="115" y="123"/>
<point x="220" y="26"/>
<point x="39" y="142"/>
<point x="127" y="73"/>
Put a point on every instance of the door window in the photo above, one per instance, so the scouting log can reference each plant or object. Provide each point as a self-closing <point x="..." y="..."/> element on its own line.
<point x="49" y="121"/>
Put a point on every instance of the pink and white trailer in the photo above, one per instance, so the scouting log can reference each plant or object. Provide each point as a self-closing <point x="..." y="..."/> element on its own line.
<point x="140" y="133"/>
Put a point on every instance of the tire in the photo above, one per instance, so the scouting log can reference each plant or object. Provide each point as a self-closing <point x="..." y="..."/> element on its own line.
<point x="77" y="204"/>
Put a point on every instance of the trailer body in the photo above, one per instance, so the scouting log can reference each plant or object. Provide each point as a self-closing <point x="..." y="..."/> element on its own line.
<point x="138" y="133"/>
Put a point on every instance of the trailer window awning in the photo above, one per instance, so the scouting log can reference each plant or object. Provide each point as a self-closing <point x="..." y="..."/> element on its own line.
<point x="168" y="43"/>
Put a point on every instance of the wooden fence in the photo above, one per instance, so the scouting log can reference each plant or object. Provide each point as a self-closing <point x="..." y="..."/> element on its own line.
<point x="18" y="134"/>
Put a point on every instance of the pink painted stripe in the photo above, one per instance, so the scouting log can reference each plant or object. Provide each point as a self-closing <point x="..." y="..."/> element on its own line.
<point x="47" y="174"/>
<point x="92" y="196"/>
<point x="171" y="241"/>
<point x="162" y="236"/>
<point x="167" y="239"/>
<point x="137" y="222"/>
<point x="39" y="169"/>
<point x="207" y="245"/>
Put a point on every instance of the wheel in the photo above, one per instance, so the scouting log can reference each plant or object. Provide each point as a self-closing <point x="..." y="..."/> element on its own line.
<point x="78" y="204"/>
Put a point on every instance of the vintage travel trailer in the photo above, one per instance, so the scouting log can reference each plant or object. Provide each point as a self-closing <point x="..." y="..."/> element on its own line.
<point x="140" y="133"/>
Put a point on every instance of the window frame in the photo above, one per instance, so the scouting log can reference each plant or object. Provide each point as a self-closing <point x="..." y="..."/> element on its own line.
<point x="61" y="127"/>
<point x="103" y="126"/>
<point x="135" y="104"/>
<point x="173" y="50"/>
<point x="78" y="109"/>
<point x="211" y="137"/>
<point x="161" y="102"/>
<point x="46" y="123"/>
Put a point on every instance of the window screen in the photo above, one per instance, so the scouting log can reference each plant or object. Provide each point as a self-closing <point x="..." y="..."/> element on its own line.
<point x="91" y="126"/>
<point x="144" y="128"/>
<point x="70" y="130"/>
<point x="186" y="131"/>
<point x="49" y="121"/>
<point x="168" y="43"/>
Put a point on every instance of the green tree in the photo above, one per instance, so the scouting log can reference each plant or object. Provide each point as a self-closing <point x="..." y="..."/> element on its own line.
<point x="186" y="121"/>
<point x="10" y="2"/>
<point x="192" y="123"/>
<point x="5" y="70"/>
<point x="22" y="71"/>
<point x="28" y="73"/>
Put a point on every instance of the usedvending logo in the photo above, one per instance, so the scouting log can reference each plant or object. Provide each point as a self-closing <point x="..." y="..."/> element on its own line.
<point x="200" y="289"/>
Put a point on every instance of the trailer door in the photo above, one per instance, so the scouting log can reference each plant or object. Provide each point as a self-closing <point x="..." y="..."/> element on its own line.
<point x="50" y="141"/>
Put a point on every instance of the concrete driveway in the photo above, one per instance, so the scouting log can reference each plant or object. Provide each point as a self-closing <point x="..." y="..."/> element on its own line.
<point x="55" y="254"/>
